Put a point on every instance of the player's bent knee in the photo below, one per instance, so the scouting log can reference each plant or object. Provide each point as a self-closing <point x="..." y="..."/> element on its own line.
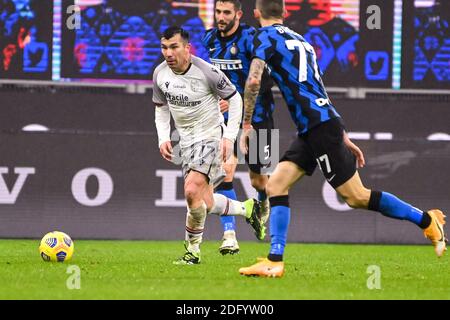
<point x="192" y="193"/>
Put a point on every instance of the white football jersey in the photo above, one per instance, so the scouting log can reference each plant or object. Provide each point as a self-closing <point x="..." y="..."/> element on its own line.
<point x="193" y="98"/>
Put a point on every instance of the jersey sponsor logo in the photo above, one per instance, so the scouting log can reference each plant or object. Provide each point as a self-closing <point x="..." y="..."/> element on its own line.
<point x="180" y="100"/>
<point x="178" y="97"/>
<point x="224" y="64"/>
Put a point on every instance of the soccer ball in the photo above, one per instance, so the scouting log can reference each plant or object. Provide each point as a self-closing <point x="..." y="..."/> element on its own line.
<point x="56" y="246"/>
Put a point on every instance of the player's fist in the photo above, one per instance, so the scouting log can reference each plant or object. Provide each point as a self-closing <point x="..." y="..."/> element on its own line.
<point x="247" y="131"/>
<point x="166" y="150"/>
<point x="361" y="162"/>
<point x="227" y="149"/>
<point x="224" y="105"/>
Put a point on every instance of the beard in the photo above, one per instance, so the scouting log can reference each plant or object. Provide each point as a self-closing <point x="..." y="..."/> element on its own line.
<point x="229" y="26"/>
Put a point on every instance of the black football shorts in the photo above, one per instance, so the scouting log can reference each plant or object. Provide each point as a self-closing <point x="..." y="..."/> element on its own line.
<point x="324" y="145"/>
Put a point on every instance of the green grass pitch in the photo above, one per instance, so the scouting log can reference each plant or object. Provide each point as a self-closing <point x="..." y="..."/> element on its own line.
<point x="144" y="270"/>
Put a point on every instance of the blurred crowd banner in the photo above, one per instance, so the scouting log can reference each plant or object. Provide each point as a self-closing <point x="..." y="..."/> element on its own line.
<point x="26" y="39"/>
<point x="121" y="39"/>
<point x="370" y="43"/>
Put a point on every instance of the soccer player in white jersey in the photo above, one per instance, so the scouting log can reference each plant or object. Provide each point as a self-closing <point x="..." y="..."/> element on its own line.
<point x="188" y="89"/>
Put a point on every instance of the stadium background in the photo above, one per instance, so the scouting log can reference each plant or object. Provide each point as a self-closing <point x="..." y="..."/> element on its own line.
<point x="78" y="147"/>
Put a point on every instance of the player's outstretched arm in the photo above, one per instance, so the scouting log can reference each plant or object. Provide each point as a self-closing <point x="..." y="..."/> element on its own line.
<point x="355" y="150"/>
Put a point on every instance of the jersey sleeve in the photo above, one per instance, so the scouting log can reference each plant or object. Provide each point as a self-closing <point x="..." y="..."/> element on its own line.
<point x="220" y="84"/>
<point x="223" y="86"/>
<point x="263" y="48"/>
<point x="158" y="95"/>
<point x="249" y="40"/>
<point x="206" y="38"/>
<point x="206" y="43"/>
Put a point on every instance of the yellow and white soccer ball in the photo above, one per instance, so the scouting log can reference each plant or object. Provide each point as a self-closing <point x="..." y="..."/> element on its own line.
<point x="56" y="246"/>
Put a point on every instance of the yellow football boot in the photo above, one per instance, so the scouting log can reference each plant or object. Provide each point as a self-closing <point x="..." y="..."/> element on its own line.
<point x="264" y="268"/>
<point x="435" y="231"/>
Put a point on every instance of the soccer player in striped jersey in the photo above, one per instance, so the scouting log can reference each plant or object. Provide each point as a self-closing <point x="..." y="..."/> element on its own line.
<point x="321" y="139"/>
<point x="230" y="46"/>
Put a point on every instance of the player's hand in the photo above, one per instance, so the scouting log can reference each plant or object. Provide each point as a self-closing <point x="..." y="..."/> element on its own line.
<point x="224" y="105"/>
<point x="166" y="150"/>
<point x="355" y="150"/>
<point x="243" y="142"/>
<point x="227" y="149"/>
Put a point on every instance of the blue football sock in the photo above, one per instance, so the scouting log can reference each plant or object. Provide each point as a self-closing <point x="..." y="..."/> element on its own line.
<point x="228" y="222"/>
<point x="279" y="222"/>
<point x="391" y="206"/>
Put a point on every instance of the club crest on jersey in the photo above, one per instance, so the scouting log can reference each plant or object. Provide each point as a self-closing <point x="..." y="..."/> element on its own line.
<point x="195" y="85"/>
<point x="234" y="49"/>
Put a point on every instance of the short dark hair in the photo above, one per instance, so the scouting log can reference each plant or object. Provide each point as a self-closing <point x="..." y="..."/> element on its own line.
<point x="173" y="31"/>
<point x="271" y="8"/>
<point x="236" y="3"/>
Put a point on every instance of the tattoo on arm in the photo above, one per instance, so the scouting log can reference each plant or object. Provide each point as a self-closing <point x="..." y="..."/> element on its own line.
<point x="252" y="87"/>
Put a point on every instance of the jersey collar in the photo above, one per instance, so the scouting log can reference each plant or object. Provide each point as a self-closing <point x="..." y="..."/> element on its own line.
<point x="187" y="70"/>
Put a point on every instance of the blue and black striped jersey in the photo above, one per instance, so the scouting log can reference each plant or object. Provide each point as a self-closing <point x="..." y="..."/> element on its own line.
<point x="233" y="55"/>
<point x="292" y="64"/>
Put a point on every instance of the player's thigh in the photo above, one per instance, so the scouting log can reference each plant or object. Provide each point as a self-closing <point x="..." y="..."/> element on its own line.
<point x="283" y="178"/>
<point x="202" y="163"/>
<point x="297" y="161"/>
<point x="336" y="161"/>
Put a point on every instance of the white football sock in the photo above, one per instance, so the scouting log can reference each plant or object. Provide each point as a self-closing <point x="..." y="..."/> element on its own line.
<point x="224" y="206"/>
<point x="195" y="223"/>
